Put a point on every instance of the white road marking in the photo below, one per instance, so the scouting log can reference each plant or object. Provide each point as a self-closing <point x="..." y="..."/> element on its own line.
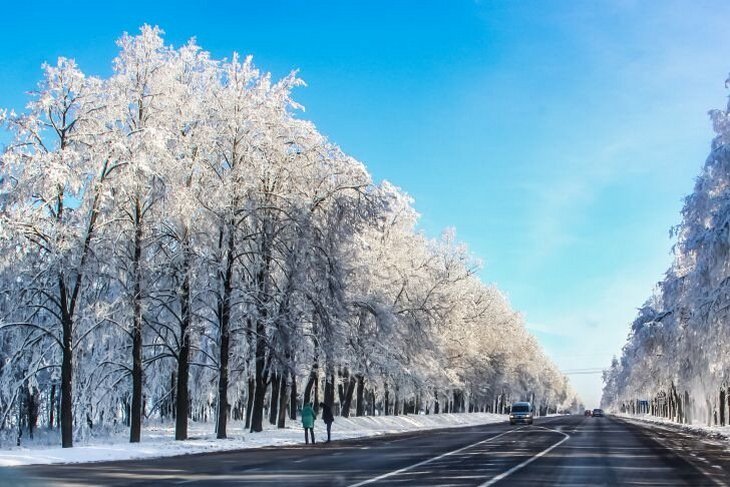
<point x="529" y="460"/>
<point x="405" y="469"/>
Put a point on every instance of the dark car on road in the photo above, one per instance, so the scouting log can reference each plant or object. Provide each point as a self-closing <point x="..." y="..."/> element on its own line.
<point x="598" y="413"/>
<point x="521" y="412"/>
<point x="587" y="412"/>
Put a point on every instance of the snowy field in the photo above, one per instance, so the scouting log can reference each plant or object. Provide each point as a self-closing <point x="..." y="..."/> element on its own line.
<point x="158" y="440"/>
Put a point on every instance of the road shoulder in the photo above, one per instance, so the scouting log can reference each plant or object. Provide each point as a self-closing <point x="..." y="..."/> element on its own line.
<point x="708" y="454"/>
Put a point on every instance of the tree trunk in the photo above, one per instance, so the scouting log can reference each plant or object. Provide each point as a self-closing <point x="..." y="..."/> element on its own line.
<point x="32" y="410"/>
<point x="311" y="383"/>
<point x="66" y="307"/>
<point x="360" y="409"/>
<point x="183" y="365"/>
<point x="283" y="400"/>
<point x="51" y="406"/>
<point x="224" y="312"/>
<point x="261" y="369"/>
<point x="315" y="399"/>
<point x="136" y="419"/>
<point x="249" y="400"/>
<point x="257" y="415"/>
<point x="293" y="398"/>
<point x="329" y="389"/>
<point x="396" y="401"/>
<point x="341" y="385"/>
<point x="274" y="401"/>
<point x="66" y="384"/>
<point x="223" y="381"/>
<point x="257" y="412"/>
<point x="182" y="402"/>
<point x="348" y="398"/>
<point x="386" y="397"/>
<point x="722" y="407"/>
<point x="171" y="402"/>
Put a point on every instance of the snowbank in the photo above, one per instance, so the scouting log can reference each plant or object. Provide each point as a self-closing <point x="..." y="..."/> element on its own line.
<point x="158" y="440"/>
<point x="719" y="432"/>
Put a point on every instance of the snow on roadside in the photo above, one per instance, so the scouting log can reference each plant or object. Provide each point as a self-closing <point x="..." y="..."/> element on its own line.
<point x="158" y="440"/>
<point x="720" y="432"/>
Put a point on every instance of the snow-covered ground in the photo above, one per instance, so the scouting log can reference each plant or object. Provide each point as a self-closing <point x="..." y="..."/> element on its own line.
<point x="710" y="431"/>
<point x="158" y="440"/>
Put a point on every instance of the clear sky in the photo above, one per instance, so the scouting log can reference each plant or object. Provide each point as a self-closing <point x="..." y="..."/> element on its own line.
<point x="557" y="137"/>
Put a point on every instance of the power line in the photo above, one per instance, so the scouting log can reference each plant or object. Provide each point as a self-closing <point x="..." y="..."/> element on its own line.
<point x="594" y="370"/>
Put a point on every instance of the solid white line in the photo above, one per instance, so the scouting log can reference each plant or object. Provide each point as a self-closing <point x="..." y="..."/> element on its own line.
<point x="405" y="469"/>
<point x="528" y="461"/>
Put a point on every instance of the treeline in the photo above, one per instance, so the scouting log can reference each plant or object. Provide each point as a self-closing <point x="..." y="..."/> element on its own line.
<point x="676" y="363"/>
<point x="176" y="244"/>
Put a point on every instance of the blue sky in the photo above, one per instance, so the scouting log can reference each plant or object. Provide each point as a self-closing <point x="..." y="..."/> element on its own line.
<point x="557" y="137"/>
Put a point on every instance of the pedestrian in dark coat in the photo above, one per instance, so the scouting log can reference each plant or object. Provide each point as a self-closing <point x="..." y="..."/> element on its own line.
<point x="328" y="418"/>
<point x="308" y="417"/>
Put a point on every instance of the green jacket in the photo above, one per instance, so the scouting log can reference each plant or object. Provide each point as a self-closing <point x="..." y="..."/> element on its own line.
<point x="308" y="416"/>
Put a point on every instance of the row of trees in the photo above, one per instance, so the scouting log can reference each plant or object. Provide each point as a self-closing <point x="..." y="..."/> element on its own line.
<point x="676" y="362"/>
<point x="176" y="244"/>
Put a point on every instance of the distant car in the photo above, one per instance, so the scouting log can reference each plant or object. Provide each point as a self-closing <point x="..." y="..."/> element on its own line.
<point x="598" y="413"/>
<point x="587" y="412"/>
<point x="521" y="412"/>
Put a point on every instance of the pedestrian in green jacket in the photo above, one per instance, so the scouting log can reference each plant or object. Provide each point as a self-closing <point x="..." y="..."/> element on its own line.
<point x="308" y="417"/>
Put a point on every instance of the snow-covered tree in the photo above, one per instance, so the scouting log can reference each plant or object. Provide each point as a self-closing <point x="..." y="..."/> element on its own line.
<point x="176" y="241"/>
<point x="675" y="362"/>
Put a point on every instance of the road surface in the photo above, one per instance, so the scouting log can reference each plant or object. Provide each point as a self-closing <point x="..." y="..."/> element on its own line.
<point x="565" y="451"/>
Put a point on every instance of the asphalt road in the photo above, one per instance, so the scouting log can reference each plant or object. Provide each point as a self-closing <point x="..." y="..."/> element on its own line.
<point x="565" y="451"/>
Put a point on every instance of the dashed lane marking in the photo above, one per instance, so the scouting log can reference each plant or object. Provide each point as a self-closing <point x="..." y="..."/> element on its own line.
<point x="529" y="460"/>
<point x="425" y="462"/>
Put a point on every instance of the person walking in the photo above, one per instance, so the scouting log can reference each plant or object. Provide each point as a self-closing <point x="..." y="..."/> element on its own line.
<point x="328" y="418"/>
<point x="308" y="417"/>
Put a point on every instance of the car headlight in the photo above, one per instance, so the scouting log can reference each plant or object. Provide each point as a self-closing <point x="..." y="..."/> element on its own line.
<point x="511" y="416"/>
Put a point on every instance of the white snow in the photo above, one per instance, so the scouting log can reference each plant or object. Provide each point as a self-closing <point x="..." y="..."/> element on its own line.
<point x="713" y="431"/>
<point x="158" y="440"/>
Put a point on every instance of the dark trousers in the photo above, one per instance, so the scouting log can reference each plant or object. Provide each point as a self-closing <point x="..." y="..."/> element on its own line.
<point x="329" y="430"/>
<point x="307" y="432"/>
